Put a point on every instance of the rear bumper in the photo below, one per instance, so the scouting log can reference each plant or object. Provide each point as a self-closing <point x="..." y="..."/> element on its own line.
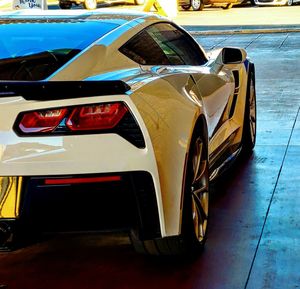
<point x="93" y="202"/>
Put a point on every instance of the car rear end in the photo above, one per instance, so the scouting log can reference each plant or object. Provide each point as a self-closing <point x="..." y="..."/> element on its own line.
<point x="74" y="156"/>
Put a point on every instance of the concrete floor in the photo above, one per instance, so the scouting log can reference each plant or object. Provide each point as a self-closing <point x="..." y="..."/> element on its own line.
<point x="254" y="230"/>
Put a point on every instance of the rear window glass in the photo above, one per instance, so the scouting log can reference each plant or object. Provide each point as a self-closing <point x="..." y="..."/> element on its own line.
<point x="33" y="51"/>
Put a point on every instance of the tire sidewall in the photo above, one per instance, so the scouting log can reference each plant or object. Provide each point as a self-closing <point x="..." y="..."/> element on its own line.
<point x="247" y="143"/>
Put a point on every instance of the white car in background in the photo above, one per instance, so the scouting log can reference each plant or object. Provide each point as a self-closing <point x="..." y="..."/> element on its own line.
<point x="275" y="2"/>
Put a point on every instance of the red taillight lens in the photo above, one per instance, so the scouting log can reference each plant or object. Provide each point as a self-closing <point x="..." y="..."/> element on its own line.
<point x="85" y="118"/>
<point x="42" y="121"/>
<point x="96" y="117"/>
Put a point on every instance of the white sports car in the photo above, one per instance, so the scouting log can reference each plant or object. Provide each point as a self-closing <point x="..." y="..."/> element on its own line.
<point x="116" y="121"/>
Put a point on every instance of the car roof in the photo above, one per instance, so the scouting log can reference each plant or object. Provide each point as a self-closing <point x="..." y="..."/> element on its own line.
<point x="113" y="16"/>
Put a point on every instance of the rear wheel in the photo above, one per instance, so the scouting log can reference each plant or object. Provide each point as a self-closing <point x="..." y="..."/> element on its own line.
<point x="197" y="5"/>
<point x="90" y="4"/>
<point x="195" y="209"/>
<point x="289" y="2"/>
<point x="249" y="129"/>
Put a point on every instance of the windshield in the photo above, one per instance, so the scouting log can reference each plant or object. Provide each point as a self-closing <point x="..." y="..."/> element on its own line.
<point x="33" y="50"/>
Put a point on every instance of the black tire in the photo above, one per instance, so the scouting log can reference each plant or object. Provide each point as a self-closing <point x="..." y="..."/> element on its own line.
<point x="249" y="129"/>
<point x="90" y="4"/>
<point x="289" y="3"/>
<point x="197" y="5"/>
<point x="65" y="5"/>
<point x="186" y="7"/>
<point x="139" y="2"/>
<point x="195" y="210"/>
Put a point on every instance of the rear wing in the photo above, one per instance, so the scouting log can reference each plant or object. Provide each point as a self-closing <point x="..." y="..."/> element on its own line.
<point x="54" y="90"/>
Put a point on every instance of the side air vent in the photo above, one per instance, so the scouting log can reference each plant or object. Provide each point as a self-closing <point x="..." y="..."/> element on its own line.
<point x="236" y="92"/>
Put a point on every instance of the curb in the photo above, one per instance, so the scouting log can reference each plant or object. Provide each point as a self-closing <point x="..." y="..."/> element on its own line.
<point x="242" y="31"/>
<point x="196" y="30"/>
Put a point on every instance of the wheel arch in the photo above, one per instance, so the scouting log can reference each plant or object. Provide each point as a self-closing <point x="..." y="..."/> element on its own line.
<point x="199" y="129"/>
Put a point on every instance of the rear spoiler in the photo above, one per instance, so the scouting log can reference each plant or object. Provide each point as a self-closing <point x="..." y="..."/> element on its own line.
<point x="54" y="90"/>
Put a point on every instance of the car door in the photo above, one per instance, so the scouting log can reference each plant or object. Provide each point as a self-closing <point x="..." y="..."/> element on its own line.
<point x="177" y="52"/>
<point x="168" y="50"/>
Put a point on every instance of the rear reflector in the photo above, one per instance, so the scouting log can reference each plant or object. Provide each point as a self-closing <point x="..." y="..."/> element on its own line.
<point x="69" y="181"/>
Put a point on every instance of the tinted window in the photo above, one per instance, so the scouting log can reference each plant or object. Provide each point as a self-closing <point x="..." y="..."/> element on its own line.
<point x="33" y="50"/>
<point x="163" y="44"/>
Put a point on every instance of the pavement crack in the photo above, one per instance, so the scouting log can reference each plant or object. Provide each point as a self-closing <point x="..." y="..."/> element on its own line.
<point x="252" y="41"/>
<point x="286" y="37"/>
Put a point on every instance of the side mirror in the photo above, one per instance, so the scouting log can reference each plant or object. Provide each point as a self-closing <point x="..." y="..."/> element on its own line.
<point x="232" y="55"/>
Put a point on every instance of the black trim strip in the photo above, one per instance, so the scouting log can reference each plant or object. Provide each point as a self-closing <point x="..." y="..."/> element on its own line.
<point x="54" y="90"/>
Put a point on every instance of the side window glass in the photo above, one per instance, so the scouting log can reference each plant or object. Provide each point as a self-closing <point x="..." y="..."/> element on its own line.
<point x="144" y="50"/>
<point x="163" y="44"/>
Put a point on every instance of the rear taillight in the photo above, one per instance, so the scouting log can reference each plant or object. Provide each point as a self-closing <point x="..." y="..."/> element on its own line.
<point x="86" y="118"/>
<point x="42" y="121"/>
<point x="96" y="117"/>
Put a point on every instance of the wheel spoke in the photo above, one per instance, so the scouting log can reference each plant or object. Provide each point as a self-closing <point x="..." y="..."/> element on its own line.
<point x="197" y="159"/>
<point x="199" y="189"/>
<point x="252" y="112"/>
<point x="201" y="172"/>
<point x="200" y="206"/>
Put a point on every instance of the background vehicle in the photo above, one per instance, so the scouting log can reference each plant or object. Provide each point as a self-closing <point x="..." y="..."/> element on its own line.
<point x="91" y="4"/>
<point x="116" y="121"/>
<point x="199" y="4"/>
<point x="275" y="2"/>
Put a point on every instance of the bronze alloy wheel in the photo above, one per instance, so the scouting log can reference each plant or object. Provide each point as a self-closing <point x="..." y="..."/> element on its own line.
<point x="195" y="210"/>
<point x="199" y="190"/>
